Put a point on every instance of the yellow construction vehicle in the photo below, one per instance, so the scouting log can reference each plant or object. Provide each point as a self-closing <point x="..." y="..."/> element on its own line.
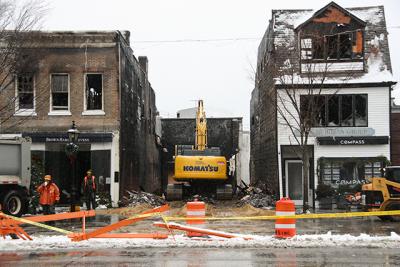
<point x="383" y="193"/>
<point x="199" y="169"/>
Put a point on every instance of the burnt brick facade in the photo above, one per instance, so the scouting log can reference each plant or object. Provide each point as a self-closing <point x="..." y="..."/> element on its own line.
<point x="106" y="92"/>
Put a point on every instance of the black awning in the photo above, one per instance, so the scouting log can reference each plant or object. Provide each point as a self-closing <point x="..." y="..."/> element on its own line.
<point x="353" y="140"/>
<point x="57" y="137"/>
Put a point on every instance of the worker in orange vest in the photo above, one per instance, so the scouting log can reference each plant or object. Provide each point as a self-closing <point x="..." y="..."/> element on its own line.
<point x="89" y="190"/>
<point x="49" y="195"/>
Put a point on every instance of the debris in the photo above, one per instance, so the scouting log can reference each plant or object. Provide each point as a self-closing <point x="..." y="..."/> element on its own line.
<point x="256" y="198"/>
<point x="134" y="198"/>
<point x="103" y="200"/>
<point x="206" y="199"/>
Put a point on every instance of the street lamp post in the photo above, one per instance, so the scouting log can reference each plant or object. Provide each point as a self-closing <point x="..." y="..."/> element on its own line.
<point x="71" y="149"/>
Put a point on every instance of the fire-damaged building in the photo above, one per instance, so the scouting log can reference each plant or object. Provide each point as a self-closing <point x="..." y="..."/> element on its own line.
<point x="322" y="89"/>
<point x="93" y="79"/>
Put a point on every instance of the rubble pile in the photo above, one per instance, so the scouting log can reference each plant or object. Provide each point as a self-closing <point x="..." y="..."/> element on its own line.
<point x="134" y="198"/>
<point x="206" y="199"/>
<point x="257" y="198"/>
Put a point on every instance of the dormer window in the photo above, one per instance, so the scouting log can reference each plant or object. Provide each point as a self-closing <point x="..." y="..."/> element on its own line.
<point x="342" y="46"/>
<point x="331" y="40"/>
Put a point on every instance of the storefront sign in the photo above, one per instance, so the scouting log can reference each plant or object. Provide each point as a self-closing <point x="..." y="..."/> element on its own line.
<point x="342" y="131"/>
<point x="361" y="140"/>
<point x="63" y="138"/>
<point x="350" y="182"/>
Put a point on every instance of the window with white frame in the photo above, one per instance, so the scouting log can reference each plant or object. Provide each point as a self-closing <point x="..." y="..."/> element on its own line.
<point x="25" y="91"/>
<point x="94" y="91"/>
<point x="59" y="92"/>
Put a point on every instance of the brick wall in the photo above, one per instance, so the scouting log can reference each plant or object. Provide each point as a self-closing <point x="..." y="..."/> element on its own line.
<point x="74" y="55"/>
<point x="395" y="138"/>
<point x="131" y="111"/>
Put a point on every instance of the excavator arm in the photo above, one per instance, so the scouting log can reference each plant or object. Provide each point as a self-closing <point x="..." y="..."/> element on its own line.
<point x="201" y="127"/>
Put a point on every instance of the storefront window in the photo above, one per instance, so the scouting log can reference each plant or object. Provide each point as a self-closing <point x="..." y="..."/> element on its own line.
<point x="372" y="169"/>
<point x="349" y="172"/>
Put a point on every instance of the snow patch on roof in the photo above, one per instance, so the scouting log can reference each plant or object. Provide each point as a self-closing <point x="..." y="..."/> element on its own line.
<point x="285" y="21"/>
<point x="368" y="14"/>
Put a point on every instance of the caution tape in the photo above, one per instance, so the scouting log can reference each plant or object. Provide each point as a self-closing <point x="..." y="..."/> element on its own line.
<point x="37" y="224"/>
<point x="144" y="216"/>
<point x="166" y="219"/>
<point x="299" y="216"/>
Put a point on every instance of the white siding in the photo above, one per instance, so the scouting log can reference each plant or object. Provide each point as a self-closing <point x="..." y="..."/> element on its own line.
<point x="334" y="66"/>
<point x="378" y="119"/>
<point x="378" y="112"/>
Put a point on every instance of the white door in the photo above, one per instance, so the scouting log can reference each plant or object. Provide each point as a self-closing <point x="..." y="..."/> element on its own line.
<point x="294" y="180"/>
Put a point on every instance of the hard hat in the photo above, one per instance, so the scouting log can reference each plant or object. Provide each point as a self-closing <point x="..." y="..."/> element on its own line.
<point x="47" y="177"/>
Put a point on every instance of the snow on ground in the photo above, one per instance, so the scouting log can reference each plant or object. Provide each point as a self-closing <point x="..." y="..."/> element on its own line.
<point x="301" y="241"/>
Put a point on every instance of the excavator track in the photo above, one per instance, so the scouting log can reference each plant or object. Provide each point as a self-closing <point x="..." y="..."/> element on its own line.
<point x="174" y="192"/>
<point x="224" y="192"/>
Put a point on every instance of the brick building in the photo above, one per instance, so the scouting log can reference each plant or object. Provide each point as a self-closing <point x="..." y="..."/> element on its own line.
<point x="94" y="79"/>
<point x="338" y="60"/>
<point x="395" y="135"/>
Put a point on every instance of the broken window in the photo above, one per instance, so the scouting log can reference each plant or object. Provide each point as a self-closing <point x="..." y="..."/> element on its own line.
<point x="94" y="91"/>
<point x="59" y="91"/>
<point x="25" y="90"/>
<point x="333" y="47"/>
<point x="320" y="106"/>
<point x="333" y="111"/>
<point x="360" y="110"/>
<point x="312" y="110"/>
<point x="347" y="110"/>
<point x="357" y="44"/>
<point x="345" y="46"/>
<point x="318" y="48"/>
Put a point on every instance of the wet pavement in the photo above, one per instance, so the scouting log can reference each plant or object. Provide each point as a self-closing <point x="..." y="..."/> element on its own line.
<point x="353" y="226"/>
<point x="198" y="257"/>
<point x="229" y="256"/>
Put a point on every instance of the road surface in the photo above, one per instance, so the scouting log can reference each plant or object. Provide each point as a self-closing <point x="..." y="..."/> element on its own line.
<point x="198" y="257"/>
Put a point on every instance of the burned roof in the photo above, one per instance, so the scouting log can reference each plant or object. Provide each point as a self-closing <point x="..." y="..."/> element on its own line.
<point x="281" y="34"/>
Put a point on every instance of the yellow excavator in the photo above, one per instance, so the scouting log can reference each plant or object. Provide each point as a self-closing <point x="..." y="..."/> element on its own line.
<point x="383" y="193"/>
<point x="199" y="169"/>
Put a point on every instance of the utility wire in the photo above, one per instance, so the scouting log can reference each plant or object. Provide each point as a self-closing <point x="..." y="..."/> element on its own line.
<point x="213" y="39"/>
<point x="199" y="40"/>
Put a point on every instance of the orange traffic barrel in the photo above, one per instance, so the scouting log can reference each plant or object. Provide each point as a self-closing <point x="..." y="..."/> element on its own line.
<point x="195" y="209"/>
<point x="285" y="228"/>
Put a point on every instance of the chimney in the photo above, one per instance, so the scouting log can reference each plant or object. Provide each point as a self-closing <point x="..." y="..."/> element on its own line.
<point x="144" y="63"/>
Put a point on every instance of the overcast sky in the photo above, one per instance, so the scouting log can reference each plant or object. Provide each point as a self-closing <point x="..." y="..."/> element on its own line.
<point x="219" y="72"/>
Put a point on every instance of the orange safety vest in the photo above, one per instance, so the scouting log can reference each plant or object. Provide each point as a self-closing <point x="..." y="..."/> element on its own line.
<point x="93" y="182"/>
<point x="48" y="194"/>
